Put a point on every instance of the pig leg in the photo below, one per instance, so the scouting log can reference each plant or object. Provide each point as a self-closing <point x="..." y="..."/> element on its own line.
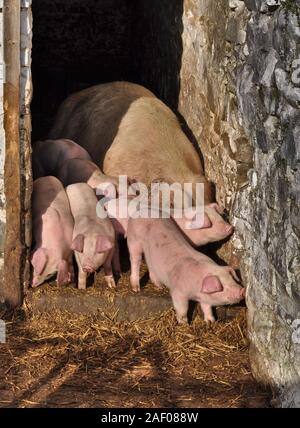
<point x="109" y="278"/>
<point x="155" y="280"/>
<point x="207" y="312"/>
<point x="136" y="253"/>
<point x="82" y="276"/>
<point x="181" y="306"/>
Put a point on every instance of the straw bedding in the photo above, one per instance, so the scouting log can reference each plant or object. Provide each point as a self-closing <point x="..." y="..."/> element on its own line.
<point x="68" y="360"/>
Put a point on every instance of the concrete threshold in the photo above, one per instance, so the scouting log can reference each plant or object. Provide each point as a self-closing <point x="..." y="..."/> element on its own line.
<point x="121" y="304"/>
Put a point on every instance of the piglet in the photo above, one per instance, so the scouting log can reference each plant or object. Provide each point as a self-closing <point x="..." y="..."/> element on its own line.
<point x="52" y="227"/>
<point x="49" y="155"/>
<point x="173" y="262"/>
<point x="85" y="171"/>
<point x="93" y="237"/>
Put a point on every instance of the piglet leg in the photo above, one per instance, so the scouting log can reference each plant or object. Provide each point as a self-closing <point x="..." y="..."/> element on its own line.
<point x="181" y="306"/>
<point x="109" y="278"/>
<point x="135" y="260"/>
<point x="82" y="276"/>
<point x="155" y="281"/>
<point x="207" y="312"/>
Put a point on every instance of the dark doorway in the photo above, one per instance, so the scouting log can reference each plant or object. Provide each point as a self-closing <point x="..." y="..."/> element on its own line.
<point x="79" y="43"/>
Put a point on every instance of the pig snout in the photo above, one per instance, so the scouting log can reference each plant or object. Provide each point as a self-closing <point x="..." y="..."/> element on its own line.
<point x="223" y="290"/>
<point x="88" y="269"/>
<point x="236" y="294"/>
<point x="88" y="265"/>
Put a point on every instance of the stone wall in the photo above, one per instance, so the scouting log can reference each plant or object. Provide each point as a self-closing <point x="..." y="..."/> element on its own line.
<point x="267" y="212"/>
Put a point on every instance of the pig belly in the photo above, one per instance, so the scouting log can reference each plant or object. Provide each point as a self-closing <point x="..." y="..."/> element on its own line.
<point x="163" y="248"/>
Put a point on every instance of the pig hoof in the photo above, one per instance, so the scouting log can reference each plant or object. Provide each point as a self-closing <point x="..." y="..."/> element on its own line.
<point x="82" y="286"/>
<point x="136" y="288"/>
<point x="210" y="319"/>
<point x="182" y="321"/>
<point x="157" y="284"/>
<point x="110" y="281"/>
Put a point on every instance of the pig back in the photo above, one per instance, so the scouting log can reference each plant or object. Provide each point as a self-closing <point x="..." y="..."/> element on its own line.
<point x="128" y="131"/>
<point x="163" y="244"/>
<point x="49" y="196"/>
<point x="92" y="117"/>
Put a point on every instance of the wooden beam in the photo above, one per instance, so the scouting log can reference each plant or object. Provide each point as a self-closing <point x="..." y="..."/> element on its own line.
<point x="13" y="251"/>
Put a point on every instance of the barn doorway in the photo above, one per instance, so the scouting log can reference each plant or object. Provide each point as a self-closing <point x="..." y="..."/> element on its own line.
<point x="82" y="43"/>
<point x="75" y="45"/>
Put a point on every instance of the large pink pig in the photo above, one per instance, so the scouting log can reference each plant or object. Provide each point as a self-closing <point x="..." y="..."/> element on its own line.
<point x="49" y="155"/>
<point x="171" y="261"/>
<point x="93" y="237"/>
<point x="128" y="131"/>
<point x="85" y="171"/>
<point x="52" y="226"/>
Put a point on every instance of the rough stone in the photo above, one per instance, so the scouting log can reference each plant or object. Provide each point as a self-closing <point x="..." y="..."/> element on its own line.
<point x="267" y="219"/>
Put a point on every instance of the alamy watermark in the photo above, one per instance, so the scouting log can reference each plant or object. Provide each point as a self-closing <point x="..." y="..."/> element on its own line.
<point x="2" y="331"/>
<point x="159" y="200"/>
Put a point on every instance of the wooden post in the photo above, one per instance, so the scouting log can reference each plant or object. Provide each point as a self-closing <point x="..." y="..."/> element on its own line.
<point x="13" y="251"/>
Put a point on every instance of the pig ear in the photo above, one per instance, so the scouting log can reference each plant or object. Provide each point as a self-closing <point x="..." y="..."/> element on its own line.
<point x="198" y="224"/>
<point x="63" y="273"/>
<point x="211" y="284"/>
<point x="103" y="244"/>
<point x="78" y="243"/>
<point x="38" y="260"/>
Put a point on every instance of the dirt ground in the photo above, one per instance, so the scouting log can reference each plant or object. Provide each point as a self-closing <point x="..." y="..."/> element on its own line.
<point x="67" y="360"/>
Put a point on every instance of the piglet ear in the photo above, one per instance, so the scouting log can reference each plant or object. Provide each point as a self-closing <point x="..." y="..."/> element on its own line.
<point x="38" y="260"/>
<point x="103" y="244"/>
<point x="78" y="243"/>
<point x="211" y="284"/>
<point x="63" y="274"/>
<point x="203" y="223"/>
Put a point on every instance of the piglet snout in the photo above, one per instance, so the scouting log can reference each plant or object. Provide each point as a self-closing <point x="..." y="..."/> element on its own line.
<point x="88" y="269"/>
